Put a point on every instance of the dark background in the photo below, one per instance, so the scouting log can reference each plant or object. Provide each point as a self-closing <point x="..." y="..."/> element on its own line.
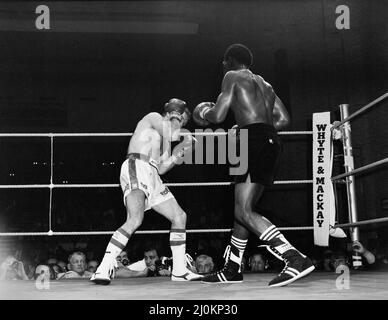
<point x="104" y="65"/>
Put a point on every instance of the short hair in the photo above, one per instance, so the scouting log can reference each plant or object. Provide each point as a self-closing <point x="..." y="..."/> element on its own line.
<point x="148" y="249"/>
<point x="77" y="253"/>
<point x="240" y="53"/>
<point x="205" y="259"/>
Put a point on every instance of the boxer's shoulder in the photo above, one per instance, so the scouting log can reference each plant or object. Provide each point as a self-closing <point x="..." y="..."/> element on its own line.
<point x="233" y="75"/>
<point x="153" y="116"/>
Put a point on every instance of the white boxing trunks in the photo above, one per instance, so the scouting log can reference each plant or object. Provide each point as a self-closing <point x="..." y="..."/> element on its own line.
<point x="140" y="172"/>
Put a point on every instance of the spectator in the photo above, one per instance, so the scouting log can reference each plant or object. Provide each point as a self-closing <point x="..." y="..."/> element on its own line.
<point x="204" y="264"/>
<point x="328" y="260"/>
<point x="92" y="266"/>
<point x="258" y="263"/>
<point x="366" y="254"/>
<point x="62" y="265"/>
<point x="77" y="267"/>
<point x="123" y="258"/>
<point x="12" y="269"/>
<point x="149" y="266"/>
<point x="339" y="259"/>
<point x="56" y="270"/>
<point x="52" y="261"/>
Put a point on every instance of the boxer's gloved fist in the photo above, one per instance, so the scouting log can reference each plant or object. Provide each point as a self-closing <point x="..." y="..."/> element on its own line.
<point x="233" y="130"/>
<point x="184" y="147"/>
<point x="200" y="111"/>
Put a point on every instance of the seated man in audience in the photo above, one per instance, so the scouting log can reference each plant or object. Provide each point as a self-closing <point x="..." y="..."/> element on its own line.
<point x="52" y="261"/>
<point x="62" y="265"/>
<point x="123" y="259"/>
<point x="92" y="266"/>
<point x="204" y="264"/>
<point x="150" y="266"/>
<point x="368" y="256"/>
<point x="77" y="267"/>
<point x="12" y="269"/>
<point x="258" y="262"/>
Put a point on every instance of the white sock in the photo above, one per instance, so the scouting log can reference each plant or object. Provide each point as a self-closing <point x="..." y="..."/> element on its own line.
<point x="240" y="245"/>
<point x="275" y="238"/>
<point x="178" y="249"/>
<point x="116" y="244"/>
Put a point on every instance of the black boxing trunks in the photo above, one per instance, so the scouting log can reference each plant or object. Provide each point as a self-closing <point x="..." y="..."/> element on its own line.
<point x="264" y="149"/>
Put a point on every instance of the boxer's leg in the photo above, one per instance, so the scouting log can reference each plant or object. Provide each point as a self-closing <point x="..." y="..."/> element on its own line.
<point x="297" y="265"/>
<point x="174" y="213"/>
<point x="135" y="205"/>
<point x="246" y="196"/>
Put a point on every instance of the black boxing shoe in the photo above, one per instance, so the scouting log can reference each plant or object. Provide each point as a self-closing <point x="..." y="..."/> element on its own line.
<point x="230" y="273"/>
<point x="297" y="266"/>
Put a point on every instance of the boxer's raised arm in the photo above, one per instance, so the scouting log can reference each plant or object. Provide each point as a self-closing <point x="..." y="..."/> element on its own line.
<point x="218" y="113"/>
<point x="281" y="118"/>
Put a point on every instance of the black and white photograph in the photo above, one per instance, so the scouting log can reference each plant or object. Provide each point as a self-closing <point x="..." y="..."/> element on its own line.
<point x="194" y="158"/>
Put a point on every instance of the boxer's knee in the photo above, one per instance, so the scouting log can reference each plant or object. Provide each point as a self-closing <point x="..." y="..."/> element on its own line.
<point x="239" y="213"/>
<point x="243" y="215"/>
<point x="133" y="222"/>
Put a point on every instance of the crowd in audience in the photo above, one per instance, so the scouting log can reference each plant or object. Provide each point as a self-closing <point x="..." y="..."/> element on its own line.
<point x="81" y="265"/>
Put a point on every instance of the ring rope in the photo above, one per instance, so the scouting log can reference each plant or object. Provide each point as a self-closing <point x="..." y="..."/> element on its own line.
<point x="361" y="110"/>
<point x="130" y="134"/>
<point x="51" y="179"/>
<point x="115" y="185"/>
<point x="79" y="233"/>
<point x="361" y="223"/>
<point x="360" y="169"/>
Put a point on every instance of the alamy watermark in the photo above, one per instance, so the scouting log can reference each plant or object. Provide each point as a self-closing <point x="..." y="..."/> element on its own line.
<point x="343" y="280"/>
<point x="200" y="147"/>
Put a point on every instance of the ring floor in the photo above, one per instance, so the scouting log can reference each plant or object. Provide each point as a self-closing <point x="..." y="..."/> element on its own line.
<point x="316" y="286"/>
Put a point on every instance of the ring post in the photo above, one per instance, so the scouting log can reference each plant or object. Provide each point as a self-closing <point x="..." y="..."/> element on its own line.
<point x="350" y="182"/>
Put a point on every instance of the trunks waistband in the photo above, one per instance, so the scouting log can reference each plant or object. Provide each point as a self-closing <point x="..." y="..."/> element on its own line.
<point x="143" y="157"/>
<point x="259" y="127"/>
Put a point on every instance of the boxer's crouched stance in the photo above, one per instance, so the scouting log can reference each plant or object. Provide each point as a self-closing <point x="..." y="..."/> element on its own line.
<point x="143" y="189"/>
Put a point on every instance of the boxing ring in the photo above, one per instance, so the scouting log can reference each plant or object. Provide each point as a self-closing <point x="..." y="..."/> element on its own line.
<point x="319" y="285"/>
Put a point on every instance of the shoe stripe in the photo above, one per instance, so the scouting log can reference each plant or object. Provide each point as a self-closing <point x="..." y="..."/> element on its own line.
<point x="290" y="273"/>
<point x="219" y="277"/>
<point x="302" y="274"/>
<point x="223" y="277"/>
<point x="264" y="234"/>
<point x="293" y="270"/>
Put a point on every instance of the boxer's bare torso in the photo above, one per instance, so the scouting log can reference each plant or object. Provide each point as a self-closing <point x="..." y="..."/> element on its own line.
<point x="148" y="136"/>
<point x="253" y="99"/>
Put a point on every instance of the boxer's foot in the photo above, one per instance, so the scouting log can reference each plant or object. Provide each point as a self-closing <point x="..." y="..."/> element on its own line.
<point x="187" y="276"/>
<point x="297" y="266"/>
<point x="230" y="273"/>
<point x="226" y="275"/>
<point x="104" y="273"/>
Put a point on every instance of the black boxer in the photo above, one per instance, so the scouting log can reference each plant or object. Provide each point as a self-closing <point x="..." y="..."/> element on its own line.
<point x="259" y="110"/>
